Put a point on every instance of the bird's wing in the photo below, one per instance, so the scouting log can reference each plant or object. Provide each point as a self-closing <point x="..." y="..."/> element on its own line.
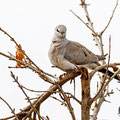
<point x="80" y="55"/>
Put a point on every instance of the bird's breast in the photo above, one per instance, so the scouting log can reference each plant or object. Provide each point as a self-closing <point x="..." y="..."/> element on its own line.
<point x="56" y="56"/>
<point x="56" y="53"/>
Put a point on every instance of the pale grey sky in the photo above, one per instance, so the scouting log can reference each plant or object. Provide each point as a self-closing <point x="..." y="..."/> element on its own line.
<point x="32" y="23"/>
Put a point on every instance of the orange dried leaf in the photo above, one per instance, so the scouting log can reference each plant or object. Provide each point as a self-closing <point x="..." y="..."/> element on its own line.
<point x="19" y="55"/>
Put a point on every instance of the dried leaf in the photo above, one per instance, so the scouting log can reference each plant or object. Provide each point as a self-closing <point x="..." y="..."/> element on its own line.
<point x="19" y="55"/>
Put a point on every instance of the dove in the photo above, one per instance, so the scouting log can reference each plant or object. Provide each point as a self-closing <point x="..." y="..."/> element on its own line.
<point x="68" y="55"/>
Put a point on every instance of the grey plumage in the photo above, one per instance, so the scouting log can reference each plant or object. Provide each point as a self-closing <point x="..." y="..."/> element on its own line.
<point x="66" y="54"/>
<point x="80" y="55"/>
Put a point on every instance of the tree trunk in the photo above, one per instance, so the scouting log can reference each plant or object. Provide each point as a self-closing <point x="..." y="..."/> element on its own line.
<point x="85" y="107"/>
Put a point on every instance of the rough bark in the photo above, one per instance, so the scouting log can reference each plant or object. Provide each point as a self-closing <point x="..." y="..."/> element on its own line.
<point x="85" y="107"/>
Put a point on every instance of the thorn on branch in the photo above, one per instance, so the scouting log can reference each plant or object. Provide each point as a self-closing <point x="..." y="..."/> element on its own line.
<point x="118" y="89"/>
<point x="107" y="101"/>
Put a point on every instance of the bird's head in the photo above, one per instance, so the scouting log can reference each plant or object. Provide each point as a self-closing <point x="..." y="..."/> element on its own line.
<point x="60" y="31"/>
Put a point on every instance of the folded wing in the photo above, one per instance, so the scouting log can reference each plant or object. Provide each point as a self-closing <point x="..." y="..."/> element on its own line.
<point x="80" y="55"/>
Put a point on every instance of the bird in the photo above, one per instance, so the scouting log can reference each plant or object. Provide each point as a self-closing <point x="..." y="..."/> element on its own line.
<point x="68" y="55"/>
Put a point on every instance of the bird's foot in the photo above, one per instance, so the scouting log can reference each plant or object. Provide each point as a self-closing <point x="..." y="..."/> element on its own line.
<point x="79" y="69"/>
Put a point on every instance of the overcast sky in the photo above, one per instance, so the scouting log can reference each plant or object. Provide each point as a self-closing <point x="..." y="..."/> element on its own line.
<point x="32" y="23"/>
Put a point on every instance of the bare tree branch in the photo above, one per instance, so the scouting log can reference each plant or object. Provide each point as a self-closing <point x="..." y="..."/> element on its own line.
<point x="101" y="67"/>
<point x="98" y="38"/>
<point x="27" y="57"/>
<point x="104" y="86"/>
<point x="62" y="102"/>
<point x="68" y="103"/>
<point x="41" y="74"/>
<point x="63" y="79"/>
<point x="99" y="43"/>
<point x="12" y="110"/>
<point x="71" y="96"/>
<point x="37" y="90"/>
<point x="20" y="86"/>
<point x="86" y="102"/>
<point x="110" y="19"/>
<point x="105" y="76"/>
<point x="94" y="33"/>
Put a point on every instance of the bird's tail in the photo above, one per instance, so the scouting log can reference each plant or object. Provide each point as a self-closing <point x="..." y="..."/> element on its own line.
<point x="109" y="73"/>
<point x="102" y="57"/>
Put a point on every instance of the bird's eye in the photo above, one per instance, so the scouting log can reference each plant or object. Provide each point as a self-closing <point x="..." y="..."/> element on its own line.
<point x="58" y="30"/>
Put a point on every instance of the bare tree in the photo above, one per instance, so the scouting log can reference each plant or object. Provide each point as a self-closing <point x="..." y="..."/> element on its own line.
<point x="32" y="111"/>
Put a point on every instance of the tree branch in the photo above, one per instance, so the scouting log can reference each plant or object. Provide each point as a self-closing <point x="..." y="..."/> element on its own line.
<point x="63" y="79"/>
<point x="103" y="87"/>
<point x="94" y="33"/>
<point x="20" y="86"/>
<point x="68" y="103"/>
<point x="72" y="96"/>
<point x="12" y="110"/>
<point x="41" y="74"/>
<point x="101" y="67"/>
<point x="27" y="57"/>
<point x="110" y="19"/>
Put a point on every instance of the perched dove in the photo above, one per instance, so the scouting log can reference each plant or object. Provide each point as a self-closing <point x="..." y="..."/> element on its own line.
<point x="67" y="55"/>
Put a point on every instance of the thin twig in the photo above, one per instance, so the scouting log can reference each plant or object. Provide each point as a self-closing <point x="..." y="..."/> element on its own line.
<point x="27" y="57"/>
<point x="7" y="118"/>
<point x="118" y="89"/>
<point x="108" y="59"/>
<point x="62" y="102"/>
<point x="12" y="110"/>
<point x="84" y="5"/>
<point x="72" y="96"/>
<point x="20" y="86"/>
<point x="109" y="93"/>
<point x="97" y="37"/>
<point x="12" y="39"/>
<point x="101" y="67"/>
<point x="37" y="90"/>
<point x="110" y="18"/>
<point x="68" y="103"/>
<point x="104" y="86"/>
<point x="42" y="75"/>
<point x="47" y="94"/>
<point x="95" y="34"/>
